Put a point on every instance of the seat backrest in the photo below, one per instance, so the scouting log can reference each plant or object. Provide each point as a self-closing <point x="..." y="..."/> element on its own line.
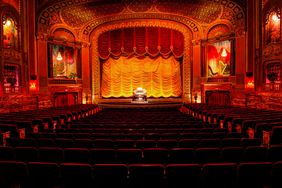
<point x="76" y="175"/>
<point x="181" y="155"/>
<point x="102" y="155"/>
<point x="80" y="155"/>
<point x="26" y="154"/>
<point x="51" y="154"/>
<point x="155" y="155"/>
<point x="146" y="175"/>
<point x="7" y="153"/>
<point x="220" y="175"/>
<point x="207" y="155"/>
<point x="129" y="156"/>
<point x="183" y="175"/>
<point x="254" y="174"/>
<point x="44" y="174"/>
<point x="276" y="175"/>
<point x="110" y="175"/>
<point x="232" y="154"/>
<point x="256" y="153"/>
<point x="13" y="173"/>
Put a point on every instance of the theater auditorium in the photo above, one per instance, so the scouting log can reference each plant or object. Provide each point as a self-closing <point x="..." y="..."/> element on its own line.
<point x="140" y="94"/>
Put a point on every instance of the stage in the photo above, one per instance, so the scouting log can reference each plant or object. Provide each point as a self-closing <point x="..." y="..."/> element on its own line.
<point x="151" y="103"/>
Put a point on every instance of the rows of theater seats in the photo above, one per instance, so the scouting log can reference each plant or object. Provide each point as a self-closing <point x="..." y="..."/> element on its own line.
<point x="43" y="118"/>
<point x="137" y="148"/>
<point x="225" y="175"/>
<point x="128" y="142"/>
<point x="240" y="120"/>
<point x="145" y="155"/>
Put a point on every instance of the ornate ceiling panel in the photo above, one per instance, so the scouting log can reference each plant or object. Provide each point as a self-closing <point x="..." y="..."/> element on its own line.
<point x="75" y="16"/>
<point x="81" y="14"/>
<point x="217" y="31"/>
<point x="139" y="5"/>
<point x="200" y="10"/>
<point x="235" y="19"/>
<point x="13" y="3"/>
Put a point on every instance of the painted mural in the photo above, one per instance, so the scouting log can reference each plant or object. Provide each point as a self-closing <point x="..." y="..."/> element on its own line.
<point x="272" y="27"/>
<point x="10" y="33"/>
<point x="63" y="61"/>
<point x="218" y="58"/>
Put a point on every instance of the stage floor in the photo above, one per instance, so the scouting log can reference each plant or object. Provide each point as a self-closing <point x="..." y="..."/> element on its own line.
<point x="126" y="103"/>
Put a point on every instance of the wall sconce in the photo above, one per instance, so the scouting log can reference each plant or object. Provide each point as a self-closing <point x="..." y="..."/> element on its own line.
<point x="59" y="56"/>
<point x="275" y="18"/>
<point x="7" y="23"/>
<point x="223" y="53"/>
<point x="249" y="83"/>
<point x="33" y="84"/>
<point x="195" y="97"/>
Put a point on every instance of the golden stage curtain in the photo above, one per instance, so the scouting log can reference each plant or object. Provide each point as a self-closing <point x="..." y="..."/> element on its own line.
<point x="160" y="77"/>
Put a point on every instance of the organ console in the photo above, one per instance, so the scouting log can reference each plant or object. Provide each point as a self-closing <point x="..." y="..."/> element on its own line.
<point x="139" y="95"/>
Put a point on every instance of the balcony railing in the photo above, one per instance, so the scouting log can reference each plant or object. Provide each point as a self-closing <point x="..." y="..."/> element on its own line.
<point x="273" y="87"/>
<point x="14" y="89"/>
<point x="64" y="81"/>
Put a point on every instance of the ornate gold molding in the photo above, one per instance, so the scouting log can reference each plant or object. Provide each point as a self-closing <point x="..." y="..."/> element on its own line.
<point x="48" y="14"/>
<point x="271" y="50"/>
<point x="149" y="17"/>
<point x="187" y="57"/>
<point x="12" y="54"/>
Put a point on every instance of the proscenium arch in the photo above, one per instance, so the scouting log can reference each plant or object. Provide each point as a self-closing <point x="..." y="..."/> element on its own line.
<point x="187" y="56"/>
<point x="47" y="11"/>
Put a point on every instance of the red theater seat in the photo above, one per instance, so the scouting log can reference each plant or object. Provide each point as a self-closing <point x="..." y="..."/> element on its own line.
<point x="256" y="153"/>
<point x="129" y="156"/>
<point x="276" y="175"/>
<point x="7" y="153"/>
<point x="254" y="174"/>
<point x="76" y="175"/>
<point x="76" y="155"/>
<point x="219" y="175"/>
<point x="146" y="175"/>
<point x="207" y="155"/>
<point x="102" y="155"/>
<point x="181" y="155"/>
<point x="183" y="175"/>
<point x="26" y="154"/>
<point x="13" y="174"/>
<point x="110" y="175"/>
<point x="275" y="153"/>
<point x="232" y="154"/>
<point x="51" y="154"/>
<point x="155" y="155"/>
<point x="44" y="174"/>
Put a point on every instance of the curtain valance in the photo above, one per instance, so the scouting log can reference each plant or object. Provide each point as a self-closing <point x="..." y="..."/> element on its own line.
<point x="141" y="41"/>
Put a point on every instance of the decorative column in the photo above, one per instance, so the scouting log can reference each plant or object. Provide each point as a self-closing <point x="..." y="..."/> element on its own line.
<point x="1" y="57"/>
<point x="196" y="71"/>
<point x="42" y="59"/>
<point x="85" y="70"/>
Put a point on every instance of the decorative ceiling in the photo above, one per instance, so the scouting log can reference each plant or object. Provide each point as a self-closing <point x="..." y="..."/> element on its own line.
<point x="13" y="3"/>
<point x="86" y="14"/>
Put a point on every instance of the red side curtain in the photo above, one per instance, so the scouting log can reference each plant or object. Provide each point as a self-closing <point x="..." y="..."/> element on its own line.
<point x="218" y="98"/>
<point x="103" y="45"/>
<point x="115" y="42"/>
<point x="165" y="41"/>
<point x="128" y="40"/>
<point x="65" y="99"/>
<point x="153" y="41"/>
<point x="140" y="40"/>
